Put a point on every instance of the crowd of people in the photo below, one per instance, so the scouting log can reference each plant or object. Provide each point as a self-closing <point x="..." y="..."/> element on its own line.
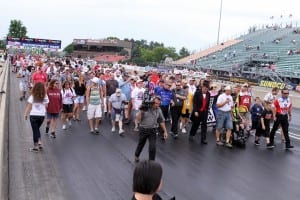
<point x="64" y="87"/>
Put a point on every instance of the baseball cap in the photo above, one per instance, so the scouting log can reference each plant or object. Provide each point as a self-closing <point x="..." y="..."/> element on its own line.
<point x="95" y="80"/>
<point x="213" y="85"/>
<point x="227" y="87"/>
<point x="245" y="85"/>
<point x="118" y="92"/>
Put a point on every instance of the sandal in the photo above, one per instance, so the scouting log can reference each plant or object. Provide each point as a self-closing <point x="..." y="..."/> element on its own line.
<point x="34" y="149"/>
<point x="40" y="147"/>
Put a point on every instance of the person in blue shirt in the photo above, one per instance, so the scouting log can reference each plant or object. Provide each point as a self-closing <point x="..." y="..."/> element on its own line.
<point x="158" y="88"/>
<point x="125" y="87"/>
<point x="166" y="96"/>
<point x="256" y="111"/>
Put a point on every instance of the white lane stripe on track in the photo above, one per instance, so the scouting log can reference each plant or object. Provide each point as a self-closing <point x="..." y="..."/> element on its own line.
<point x="292" y="135"/>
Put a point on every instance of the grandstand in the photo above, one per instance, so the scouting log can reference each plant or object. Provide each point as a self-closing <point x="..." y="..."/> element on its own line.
<point x="271" y="53"/>
<point x="102" y="50"/>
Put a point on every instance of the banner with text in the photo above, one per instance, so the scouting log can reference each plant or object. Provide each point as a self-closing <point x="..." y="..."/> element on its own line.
<point x="272" y="84"/>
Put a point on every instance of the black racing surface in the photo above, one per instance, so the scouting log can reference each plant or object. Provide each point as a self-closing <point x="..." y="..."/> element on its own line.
<point x="80" y="166"/>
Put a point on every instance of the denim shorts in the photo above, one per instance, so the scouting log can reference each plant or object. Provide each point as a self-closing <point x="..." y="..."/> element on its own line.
<point x="224" y="120"/>
<point x="52" y="115"/>
<point x="116" y="116"/>
<point x="79" y="99"/>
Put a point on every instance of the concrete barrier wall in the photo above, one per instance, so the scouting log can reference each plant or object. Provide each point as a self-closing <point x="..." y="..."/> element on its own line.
<point x="4" y="78"/>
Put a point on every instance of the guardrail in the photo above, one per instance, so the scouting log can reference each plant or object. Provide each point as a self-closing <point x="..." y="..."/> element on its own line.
<point x="4" y="78"/>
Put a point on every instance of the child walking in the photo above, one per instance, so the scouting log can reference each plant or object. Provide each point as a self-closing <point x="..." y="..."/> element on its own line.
<point x="263" y="128"/>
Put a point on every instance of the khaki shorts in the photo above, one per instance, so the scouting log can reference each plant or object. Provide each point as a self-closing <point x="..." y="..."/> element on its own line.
<point x="94" y="111"/>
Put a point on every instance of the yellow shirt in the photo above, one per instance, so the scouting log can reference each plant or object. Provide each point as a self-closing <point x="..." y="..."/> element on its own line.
<point x="188" y="104"/>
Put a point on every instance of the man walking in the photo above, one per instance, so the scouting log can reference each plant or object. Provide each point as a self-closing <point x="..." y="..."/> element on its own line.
<point x="282" y="115"/>
<point x="149" y="120"/>
<point x="200" y="112"/>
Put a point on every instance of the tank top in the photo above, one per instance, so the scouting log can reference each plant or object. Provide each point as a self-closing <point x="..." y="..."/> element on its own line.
<point x="95" y="96"/>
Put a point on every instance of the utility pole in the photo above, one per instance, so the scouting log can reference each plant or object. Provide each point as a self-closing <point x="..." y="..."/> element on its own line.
<point x="218" y="39"/>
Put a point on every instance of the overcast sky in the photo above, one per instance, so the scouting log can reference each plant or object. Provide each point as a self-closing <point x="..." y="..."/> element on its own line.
<point x="177" y="23"/>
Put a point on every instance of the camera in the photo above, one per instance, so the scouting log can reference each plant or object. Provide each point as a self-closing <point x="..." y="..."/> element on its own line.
<point x="147" y="101"/>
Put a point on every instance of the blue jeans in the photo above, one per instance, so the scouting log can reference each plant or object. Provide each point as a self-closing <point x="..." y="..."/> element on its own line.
<point x="36" y="122"/>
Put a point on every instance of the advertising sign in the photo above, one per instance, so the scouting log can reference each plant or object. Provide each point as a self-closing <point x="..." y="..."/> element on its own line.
<point x="34" y="43"/>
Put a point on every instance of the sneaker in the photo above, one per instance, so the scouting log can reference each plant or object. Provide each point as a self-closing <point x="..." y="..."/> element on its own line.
<point x="175" y="136"/>
<point x="113" y="129"/>
<point x="53" y="135"/>
<point x="219" y="143"/>
<point x="92" y="132"/>
<point x="84" y="108"/>
<point x="64" y="127"/>
<point x="270" y="146"/>
<point x="70" y="123"/>
<point x="121" y="132"/>
<point x="136" y="129"/>
<point x="97" y="131"/>
<point x="289" y="146"/>
<point x="183" y="130"/>
<point x="136" y="159"/>
<point x="256" y="142"/>
<point x="228" y="145"/>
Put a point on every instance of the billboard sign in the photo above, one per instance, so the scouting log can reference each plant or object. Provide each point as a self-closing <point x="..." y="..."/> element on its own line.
<point x="33" y="43"/>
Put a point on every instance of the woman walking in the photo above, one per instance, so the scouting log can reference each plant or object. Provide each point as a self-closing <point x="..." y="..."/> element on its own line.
<point x="54" y="106"/>
<point x="36" y="109"/>
<point x="68" y="95"/>
<point x="79" y="100"/>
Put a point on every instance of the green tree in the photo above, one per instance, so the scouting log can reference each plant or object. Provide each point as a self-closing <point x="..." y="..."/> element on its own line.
<point x="17" y="29"/>
<point x="183" y="52"/>
<point x="112" y="38"/>
<point x="69" y="49"/>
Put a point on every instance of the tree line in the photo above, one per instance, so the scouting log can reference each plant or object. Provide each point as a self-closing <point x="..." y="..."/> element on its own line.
<point x="143" y="52"/>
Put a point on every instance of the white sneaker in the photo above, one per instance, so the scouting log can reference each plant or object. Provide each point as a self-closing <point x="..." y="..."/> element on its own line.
<point x="84" y="108"/>
<point x="121" y="131"/>
<point x="113" y="129"/>
<point x="64" y="127"/>
<point x="183" y="130"/>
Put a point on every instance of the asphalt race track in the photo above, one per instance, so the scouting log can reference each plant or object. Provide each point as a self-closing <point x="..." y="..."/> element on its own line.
<point x="80" y="166"/>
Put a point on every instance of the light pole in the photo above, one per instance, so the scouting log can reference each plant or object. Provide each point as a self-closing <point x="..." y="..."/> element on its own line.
<point x="221" y="7"/>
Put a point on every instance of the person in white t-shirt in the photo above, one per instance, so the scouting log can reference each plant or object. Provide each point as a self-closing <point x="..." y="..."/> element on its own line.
<point x="68" y="95"/>
<point x="192" y="86"/>
<point x="271" y="96"/>
<point x="36" y="109"/>
<point x="137" y="97"/>
<point x="224" y="117"/>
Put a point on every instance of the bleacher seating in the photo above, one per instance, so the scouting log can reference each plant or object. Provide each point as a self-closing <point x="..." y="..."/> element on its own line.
<point x="268" y="45"/>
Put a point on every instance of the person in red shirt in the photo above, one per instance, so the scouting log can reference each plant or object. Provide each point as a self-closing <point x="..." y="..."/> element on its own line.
<point x="54" y="106"/>
<point x="282" y="114"/>
<point x="200" y="112"/>
<point x="39" y="76"/>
